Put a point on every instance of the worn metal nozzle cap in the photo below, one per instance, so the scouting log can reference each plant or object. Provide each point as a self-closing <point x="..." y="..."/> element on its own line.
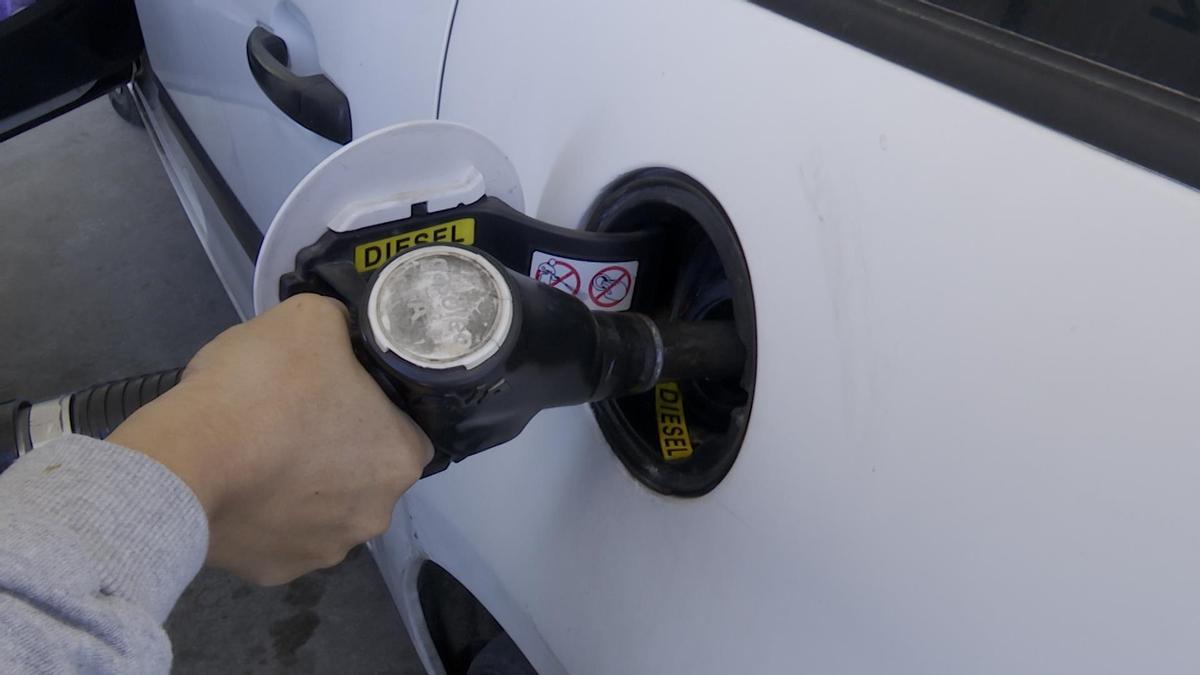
<point x="440" y="307"/>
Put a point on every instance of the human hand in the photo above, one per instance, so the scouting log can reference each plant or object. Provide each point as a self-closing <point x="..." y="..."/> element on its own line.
<point x="292" y="449"/>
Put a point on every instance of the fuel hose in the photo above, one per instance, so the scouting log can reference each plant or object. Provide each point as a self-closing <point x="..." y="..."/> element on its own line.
<point x="94" y="412"/>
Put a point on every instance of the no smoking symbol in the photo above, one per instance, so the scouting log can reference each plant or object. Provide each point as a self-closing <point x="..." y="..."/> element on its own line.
<point x="610" y="286"/>
<point x="558" y="274"/>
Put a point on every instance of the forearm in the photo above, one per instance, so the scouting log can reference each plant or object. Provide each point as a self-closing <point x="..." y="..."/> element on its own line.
<point x="97" y="542"/>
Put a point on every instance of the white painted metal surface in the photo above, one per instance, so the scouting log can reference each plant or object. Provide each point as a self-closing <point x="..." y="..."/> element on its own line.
<point x="385" y="56"/>
<point x="974" y="446"/>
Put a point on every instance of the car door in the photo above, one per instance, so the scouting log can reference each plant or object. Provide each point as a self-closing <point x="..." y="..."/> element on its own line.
<point x="58" y="54"/>
<point x="973" y="236"/>
<point x="269" y="88"/>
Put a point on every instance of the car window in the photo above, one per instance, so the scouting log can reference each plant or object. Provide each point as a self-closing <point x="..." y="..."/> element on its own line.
<point x="1156" y="40"/>
<point x="1121" y="75"/>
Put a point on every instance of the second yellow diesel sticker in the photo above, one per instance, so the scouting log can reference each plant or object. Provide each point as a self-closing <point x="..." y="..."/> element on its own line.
<point x="673" y="435"/>
<point x="369" y="256"/>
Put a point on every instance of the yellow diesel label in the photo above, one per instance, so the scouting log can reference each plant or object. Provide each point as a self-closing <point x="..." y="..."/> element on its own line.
<point x="673" y="435"/>
<point x="369" y="256"/>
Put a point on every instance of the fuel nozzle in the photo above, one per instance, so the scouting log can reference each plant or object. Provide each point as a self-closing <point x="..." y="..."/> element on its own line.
<point x="473" y="350"/>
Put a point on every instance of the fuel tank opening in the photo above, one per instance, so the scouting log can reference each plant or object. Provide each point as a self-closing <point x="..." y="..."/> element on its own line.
<point x="681" y="438"/>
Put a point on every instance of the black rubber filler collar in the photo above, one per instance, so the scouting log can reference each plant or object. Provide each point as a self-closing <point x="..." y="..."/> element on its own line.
<point x="694" y="226"/>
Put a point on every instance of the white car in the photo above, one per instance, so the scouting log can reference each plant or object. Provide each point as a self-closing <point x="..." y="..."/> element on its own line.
<point x="962" y="236"/>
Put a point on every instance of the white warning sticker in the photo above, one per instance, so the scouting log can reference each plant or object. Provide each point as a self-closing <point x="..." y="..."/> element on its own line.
<point x="600" y="285"/>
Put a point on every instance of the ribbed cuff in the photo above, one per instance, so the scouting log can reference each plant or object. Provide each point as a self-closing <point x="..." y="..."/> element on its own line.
<point x="94" y="517"/>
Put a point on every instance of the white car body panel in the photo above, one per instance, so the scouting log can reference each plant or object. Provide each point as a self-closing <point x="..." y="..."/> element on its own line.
<point x="385" y="56"/>
<point x="973" y="446"/>
<point x="974" y="442"/>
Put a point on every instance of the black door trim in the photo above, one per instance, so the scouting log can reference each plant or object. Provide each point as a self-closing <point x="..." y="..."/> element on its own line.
<point x="312" y="101"/>
<point x="65" y="53"/>
<point x="1150" y="125"/>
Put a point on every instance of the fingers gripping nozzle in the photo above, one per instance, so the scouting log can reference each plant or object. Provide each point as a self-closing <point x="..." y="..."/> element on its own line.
<point x="473" y="350"/>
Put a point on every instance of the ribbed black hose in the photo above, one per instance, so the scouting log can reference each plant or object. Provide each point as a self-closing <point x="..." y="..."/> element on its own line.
<point x="14" y="431"/>
<point x="98" y="410"/>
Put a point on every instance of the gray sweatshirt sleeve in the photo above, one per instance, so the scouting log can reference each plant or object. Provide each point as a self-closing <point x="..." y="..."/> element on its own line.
<point x="97" y="542"/>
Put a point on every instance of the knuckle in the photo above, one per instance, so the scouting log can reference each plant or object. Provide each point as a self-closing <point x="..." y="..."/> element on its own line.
<point x="331" y="559"/>
<point x="319" y="307"/>
<point x="379" y="525"/>
<point x="416" y="450"/>
<point x="369" y="528"/>
<point x="266" y="576"/>
<point x="326" y="552"/>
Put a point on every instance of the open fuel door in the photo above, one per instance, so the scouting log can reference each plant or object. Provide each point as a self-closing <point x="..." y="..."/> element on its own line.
<point x="56" y="55"/>
<point x="389" y="175"/>
<point x="432" y="182"/>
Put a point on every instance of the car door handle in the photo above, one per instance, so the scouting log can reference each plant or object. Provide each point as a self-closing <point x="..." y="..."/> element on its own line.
<point x="313" y="101"/>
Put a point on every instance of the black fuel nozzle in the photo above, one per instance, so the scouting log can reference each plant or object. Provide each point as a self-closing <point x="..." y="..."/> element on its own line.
<point x="473" y="350"/>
